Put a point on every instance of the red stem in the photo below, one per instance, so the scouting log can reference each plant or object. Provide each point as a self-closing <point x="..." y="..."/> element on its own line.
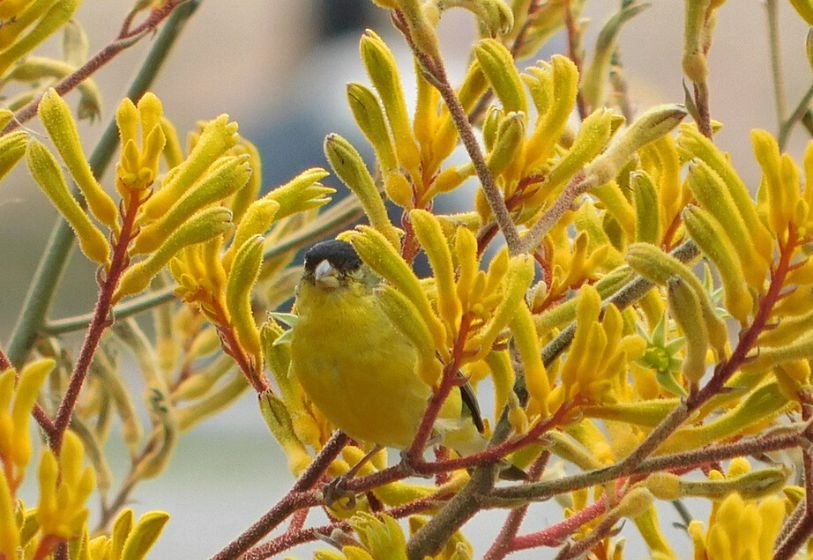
<point x="97" y="61"/>
<point x="298" y="497"/>
<point x="294" y="538"/>
<point x="46" y="546"/>
<point x="450" y="376"/>
<point x="503" y="543"/>
<point x="556" y="534"/>
<point x="101" y="320"/>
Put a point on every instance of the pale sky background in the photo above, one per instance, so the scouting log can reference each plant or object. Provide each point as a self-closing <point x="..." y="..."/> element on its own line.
<point x="257" y="60"/>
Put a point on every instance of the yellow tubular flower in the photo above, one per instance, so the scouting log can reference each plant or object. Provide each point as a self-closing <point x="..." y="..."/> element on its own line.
<point x="218" y="136"/>
<point x="56" y="116"/>
<point x="242" y="277"/>
<point x="138" y="165"/>
<point x="381" y="67"/>
<point x="590" y="140"/>
<point x="64" y="489"/>
<point x="57" y="15"/>
<point x="740" y="529"/>
<point x="429" y="233"/>
<point x="224" y="178"/>
<point x="710" y="236"/>
<point x="647" y="208"/>
<point x="349" y="166"/>
<point x="370" y="119"/>
<point x="12" y="148"/>
<point x="536" y="377"/>
<point x="277" y="418"/>
<point x="407" y="319"/>
<point x="9" y="532"/>
<point x="557" y="83"/>
<point x="498" y="66"/>
<point x="780" y="180"/>
<point x="518" y="279"/>
<point x="45" y="170"/>
<point x="203" y="226"/>
<point x="380" y="255"/>
<point x="693" y="144"/>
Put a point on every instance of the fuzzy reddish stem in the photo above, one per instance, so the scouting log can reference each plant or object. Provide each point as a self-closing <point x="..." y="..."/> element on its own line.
<point x="98" y="60"/>
<point x="450" y="375"/>
<point x="293" y="538"/>
<point x="503" y="544"/>
<point x="101" y="320"/>
<point x="298" y="497"/>
<point x="556" y="534"/>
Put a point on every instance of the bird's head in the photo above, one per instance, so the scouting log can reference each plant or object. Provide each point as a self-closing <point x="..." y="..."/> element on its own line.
<point x="334" y="264"/>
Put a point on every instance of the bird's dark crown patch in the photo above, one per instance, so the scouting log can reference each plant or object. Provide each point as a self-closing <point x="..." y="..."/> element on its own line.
<point x="339" y="254"/>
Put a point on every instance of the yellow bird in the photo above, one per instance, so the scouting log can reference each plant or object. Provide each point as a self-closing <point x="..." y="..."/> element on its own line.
<point x="354" y="364"/>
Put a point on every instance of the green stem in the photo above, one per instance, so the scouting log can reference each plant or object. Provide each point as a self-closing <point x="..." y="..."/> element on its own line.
<point x="54" y="259"/>
<point x="776" y="62"/>
<point x="795" y="116"/>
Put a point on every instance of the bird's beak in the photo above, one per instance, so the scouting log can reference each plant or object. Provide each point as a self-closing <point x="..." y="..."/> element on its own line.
<point x="326" y="276"/>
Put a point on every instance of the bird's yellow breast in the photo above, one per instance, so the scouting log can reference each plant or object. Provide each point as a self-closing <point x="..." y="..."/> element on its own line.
<point x="356" y="367"/>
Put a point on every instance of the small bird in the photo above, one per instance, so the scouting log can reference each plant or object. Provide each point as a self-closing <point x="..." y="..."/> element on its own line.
<point x="355" y="365"/>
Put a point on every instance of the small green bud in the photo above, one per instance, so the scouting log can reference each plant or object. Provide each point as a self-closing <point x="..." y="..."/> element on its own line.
<point x="507" y="143"/>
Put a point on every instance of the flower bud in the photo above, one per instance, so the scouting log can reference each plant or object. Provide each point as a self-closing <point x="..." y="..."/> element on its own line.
<point x="370" y="119"/>
<point x="242" y="277"/>
<point x="498" y="66"/>
<point x="348" y="165"/>
<point x="650" y="126"/>
<point x="383" y="71"/>
<point x="647" y="208"/>
<point x="712" y="240"/>
<point x="45" y="170"/>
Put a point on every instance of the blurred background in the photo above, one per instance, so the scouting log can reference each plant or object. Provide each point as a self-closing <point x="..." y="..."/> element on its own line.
<point x="279" y="69"/>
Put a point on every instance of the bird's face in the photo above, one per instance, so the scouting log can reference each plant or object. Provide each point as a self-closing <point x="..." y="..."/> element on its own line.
<point x="334" y="265"/>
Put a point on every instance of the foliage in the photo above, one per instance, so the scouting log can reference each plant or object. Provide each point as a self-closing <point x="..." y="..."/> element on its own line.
<point x="607" y="347"/>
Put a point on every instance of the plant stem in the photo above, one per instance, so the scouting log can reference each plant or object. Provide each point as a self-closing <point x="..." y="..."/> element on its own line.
<point x="544" y="490"/>
<point x="787" y="126"/>
<point x="55" y="257"/>
<point x="780" y="103"/>
<point x="101" y="320"/>
<point x="436" y="74"/>
<point x="297" y="498"/>
<point x="504" y="543"/>
<point x="573" y="47"/>
<point x="97" y="61"/>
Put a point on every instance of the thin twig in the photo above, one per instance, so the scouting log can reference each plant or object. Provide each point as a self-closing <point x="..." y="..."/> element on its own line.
<point x="797" y="114"/>
<point x="97" y="61"/>
<point x="544" y="490"/>
<point x="299" y="497"/>
<point x="777" y="75"/>
<point x="436" y="74"/>
<point x="101" y="320"/>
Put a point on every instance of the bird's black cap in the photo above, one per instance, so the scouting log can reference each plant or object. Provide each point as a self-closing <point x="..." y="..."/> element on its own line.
<point x="340" y="254"/>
